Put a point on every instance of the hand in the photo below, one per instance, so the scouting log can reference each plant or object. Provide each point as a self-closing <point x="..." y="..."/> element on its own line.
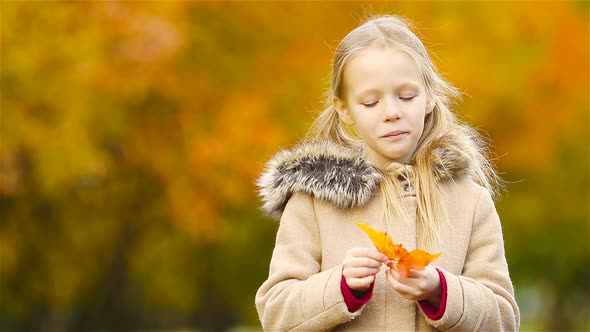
<point x="359" y="267"/>
<point x="419" y="285"/>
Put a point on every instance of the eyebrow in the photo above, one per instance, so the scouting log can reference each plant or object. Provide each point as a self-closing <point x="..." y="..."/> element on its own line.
<point x="406" y="85"/>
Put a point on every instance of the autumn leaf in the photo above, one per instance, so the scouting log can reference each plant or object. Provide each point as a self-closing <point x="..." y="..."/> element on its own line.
<point x="417" y="259"/>
<point x="383" y="242"/>
<point x="404" y="261"/>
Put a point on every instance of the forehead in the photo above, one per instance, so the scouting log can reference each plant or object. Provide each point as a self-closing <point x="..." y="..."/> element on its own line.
<point x="381" y="68"/>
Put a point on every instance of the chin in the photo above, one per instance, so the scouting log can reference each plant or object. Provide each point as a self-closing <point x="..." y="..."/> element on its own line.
<point x="396" y="155"/>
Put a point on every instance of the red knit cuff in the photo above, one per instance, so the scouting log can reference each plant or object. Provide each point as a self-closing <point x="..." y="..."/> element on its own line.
<point x="432" y="311"/>
<point x="353" y="302"/>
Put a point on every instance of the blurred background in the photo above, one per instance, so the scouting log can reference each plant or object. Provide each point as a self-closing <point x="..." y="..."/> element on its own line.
<point x="132" y="134"/>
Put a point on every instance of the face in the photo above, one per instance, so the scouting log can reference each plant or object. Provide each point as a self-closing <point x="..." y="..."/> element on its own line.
<point x="386" y="103"/>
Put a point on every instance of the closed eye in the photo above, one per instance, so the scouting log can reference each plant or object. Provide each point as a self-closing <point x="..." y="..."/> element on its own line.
<point x="371" y="104"/>
<point x="407" y="98"/>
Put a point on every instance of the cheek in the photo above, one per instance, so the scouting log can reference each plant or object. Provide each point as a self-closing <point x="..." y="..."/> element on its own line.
<point x="360" y="127"/>
<point x="365" y="123"/>
<point x="417" y="113"/>
<point x="419" y="120"/>
<point x="422" y="110"/>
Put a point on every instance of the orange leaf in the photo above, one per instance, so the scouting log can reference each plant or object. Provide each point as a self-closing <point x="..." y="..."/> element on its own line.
<point x="417" y="259"/>
<point x="380" y="239"/>
<point x="384" y="243"/>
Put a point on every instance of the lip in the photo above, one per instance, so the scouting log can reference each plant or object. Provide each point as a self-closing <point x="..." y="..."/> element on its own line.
<point x="395" y="134"/>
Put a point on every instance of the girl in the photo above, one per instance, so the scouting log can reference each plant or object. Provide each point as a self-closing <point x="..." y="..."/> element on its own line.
<point x="387" y="151"/>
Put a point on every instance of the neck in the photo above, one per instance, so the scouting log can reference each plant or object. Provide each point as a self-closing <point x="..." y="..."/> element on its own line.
<point x="381" y="162"/>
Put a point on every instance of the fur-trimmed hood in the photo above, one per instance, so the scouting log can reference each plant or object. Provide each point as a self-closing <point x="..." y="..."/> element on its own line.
<point x="338" y="174"/>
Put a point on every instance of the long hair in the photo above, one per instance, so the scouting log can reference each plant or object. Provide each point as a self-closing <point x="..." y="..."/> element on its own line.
<point x="442" y="129"/>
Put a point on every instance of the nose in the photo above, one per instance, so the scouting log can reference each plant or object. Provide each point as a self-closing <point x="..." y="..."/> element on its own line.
<point x="391" y="110"/>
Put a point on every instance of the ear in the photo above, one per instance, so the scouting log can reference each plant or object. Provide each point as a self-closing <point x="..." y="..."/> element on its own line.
<point x="342" y="110"/>
<point x="430" y="105"/>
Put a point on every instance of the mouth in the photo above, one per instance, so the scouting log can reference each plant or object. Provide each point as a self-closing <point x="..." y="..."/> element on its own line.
<point x="395" y="133"/>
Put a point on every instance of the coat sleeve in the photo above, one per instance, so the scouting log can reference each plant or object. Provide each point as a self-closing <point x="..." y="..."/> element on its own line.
<point x="482" y="298"/>
<point x="297" y="295"/>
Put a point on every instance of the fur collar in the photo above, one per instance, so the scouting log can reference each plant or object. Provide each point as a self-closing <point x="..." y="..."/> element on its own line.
<point x="337" y="174"/>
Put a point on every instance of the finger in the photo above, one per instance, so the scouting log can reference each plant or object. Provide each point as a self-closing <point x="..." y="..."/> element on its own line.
<point x="365" y="262"/>
<point x="369" y="252"/>
<point x="404" y="290"/>
<point x="415" y="283"/>
<point x="395" y="274"/>
<point x="424" y="280"/>
<point x="361" y="262"/>
<point x="402" y="275"/>
<point x="360" y="272"/>
<point x="408" y="281"/>
<point x="416" y="274"/>
<point x="360" y="283"/>
<point x="421" y="273"/>
<point x="394" y="282"/>
<point x="391" y="279"/>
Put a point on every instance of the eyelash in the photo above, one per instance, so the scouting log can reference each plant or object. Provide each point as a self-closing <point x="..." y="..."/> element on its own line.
<point x="371" y="105"/>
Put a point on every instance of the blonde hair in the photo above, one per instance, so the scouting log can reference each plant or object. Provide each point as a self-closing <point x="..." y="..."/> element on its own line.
<point x="441" y="128"/>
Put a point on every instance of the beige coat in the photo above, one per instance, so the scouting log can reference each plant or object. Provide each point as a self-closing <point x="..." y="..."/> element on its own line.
<point x="318" y="208"/>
